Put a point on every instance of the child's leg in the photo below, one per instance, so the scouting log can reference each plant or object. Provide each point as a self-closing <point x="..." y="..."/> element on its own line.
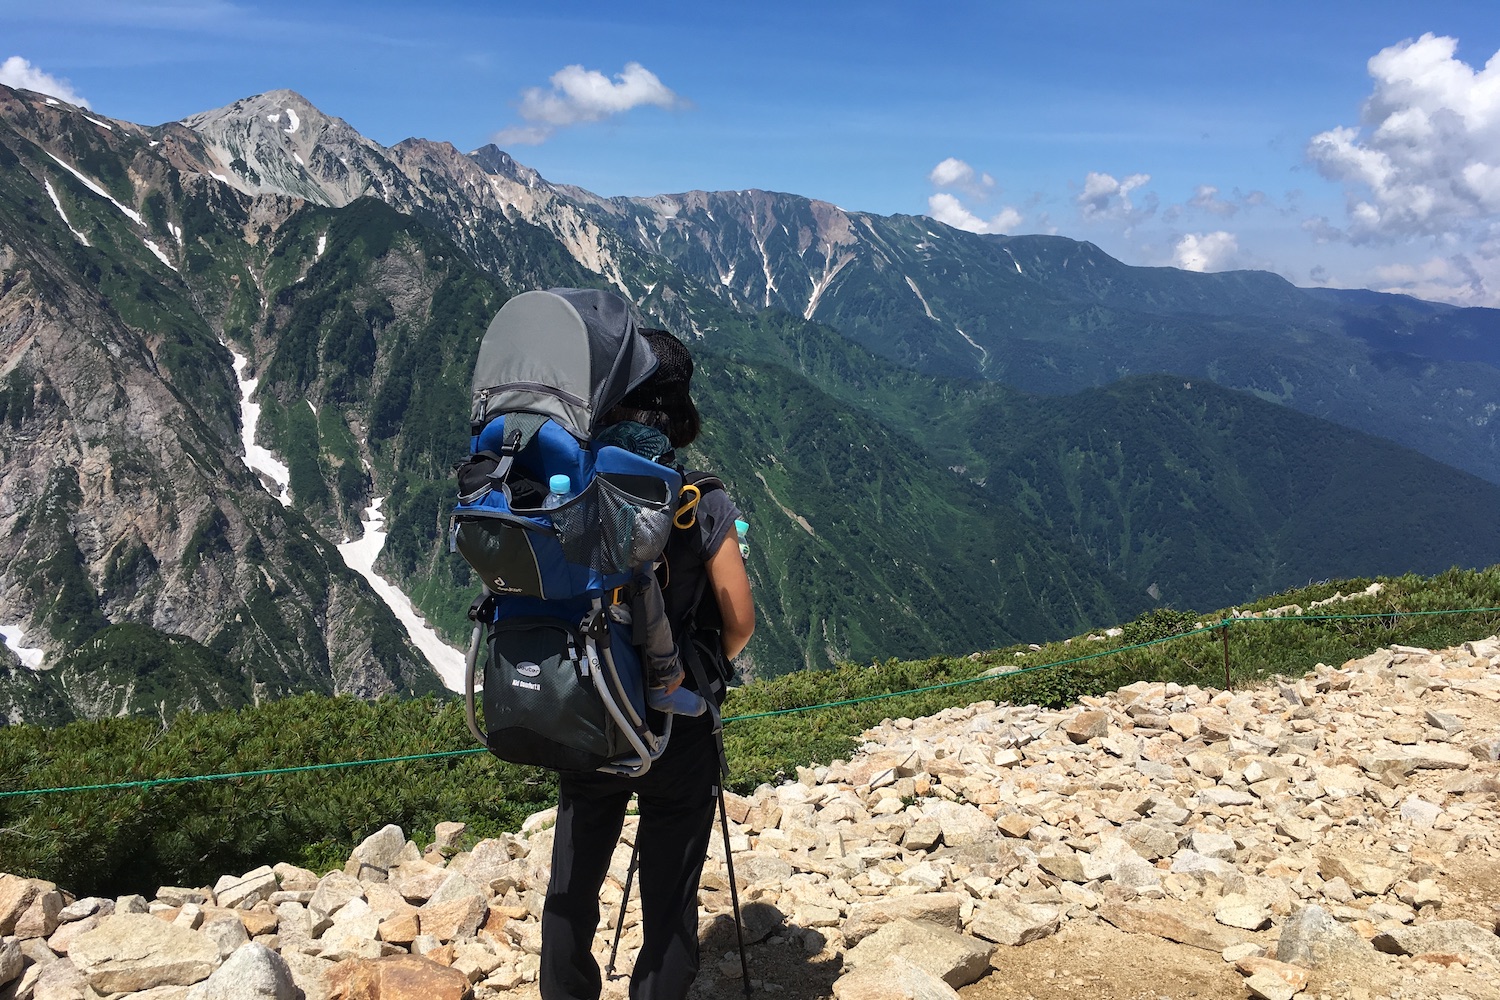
<point x="663" y="665"/>
<point x="664" y="671"/>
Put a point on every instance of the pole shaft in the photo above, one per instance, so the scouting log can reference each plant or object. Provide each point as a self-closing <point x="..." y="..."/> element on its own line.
<point x="734" y="895"/>
<point x="1224" y="635"/>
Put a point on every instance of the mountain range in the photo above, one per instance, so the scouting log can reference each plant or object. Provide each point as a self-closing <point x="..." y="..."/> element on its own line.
<point x="943" y="441"/>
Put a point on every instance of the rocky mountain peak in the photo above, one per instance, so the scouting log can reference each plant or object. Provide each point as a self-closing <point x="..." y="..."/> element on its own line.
<point x="279" y="143"/>
<point x="494" y="160"/>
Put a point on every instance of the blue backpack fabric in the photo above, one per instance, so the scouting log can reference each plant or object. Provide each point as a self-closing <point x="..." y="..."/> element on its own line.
<point x="563" y="686"/>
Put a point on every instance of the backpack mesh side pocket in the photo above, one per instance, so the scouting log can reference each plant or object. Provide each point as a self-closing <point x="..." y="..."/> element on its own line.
<point x="620" y="523"/>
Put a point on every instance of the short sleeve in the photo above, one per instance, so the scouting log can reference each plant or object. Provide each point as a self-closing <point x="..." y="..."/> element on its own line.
<point x="716" y="516"/>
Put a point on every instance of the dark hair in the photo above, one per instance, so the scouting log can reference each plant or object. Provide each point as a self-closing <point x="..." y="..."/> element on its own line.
<point x="664" y="401"/>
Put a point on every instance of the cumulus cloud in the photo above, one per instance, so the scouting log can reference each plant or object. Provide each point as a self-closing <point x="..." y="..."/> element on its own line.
<point x="579" y="96"/>
<point x="1214" y="251"/>
<point x="1103" y="197"/>
<point x="955" y="173"/>
<point x="18" y="72"/>
<point x="1425" y="159"/>
<point x="948" y="210"/>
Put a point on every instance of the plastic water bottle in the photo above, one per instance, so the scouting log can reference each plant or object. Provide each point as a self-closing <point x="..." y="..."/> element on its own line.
<point x="740" y="528"/>
<point x="560" y="490"/>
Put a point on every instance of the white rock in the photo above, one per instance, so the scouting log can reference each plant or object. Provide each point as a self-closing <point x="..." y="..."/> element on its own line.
<point x="252" y="972"/>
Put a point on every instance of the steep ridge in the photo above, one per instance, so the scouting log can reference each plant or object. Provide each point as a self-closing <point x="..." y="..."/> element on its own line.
<point x="125" y="500"/>
<point x="1333" y="834"/>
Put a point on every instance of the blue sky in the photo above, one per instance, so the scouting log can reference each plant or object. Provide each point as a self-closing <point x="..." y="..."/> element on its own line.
<point x="1206" y="135"/>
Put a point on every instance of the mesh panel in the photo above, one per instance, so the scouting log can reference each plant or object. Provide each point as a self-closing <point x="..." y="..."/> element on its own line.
<point x="609" y="529"/>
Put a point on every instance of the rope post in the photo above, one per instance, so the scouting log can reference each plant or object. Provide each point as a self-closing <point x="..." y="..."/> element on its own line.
<point x="1224" y="635"/>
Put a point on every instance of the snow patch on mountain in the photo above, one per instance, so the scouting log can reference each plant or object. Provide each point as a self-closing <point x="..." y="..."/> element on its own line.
<point x="57" y="204"/>
<point x="260" y="460"/>
<point x="161" y="254"/>
<point x="832" y="265"/>
<point x="14" y="634"/>
<point x="360" y="555"/>
<point x="920" y="297"/>
<point x="93" y="186"/>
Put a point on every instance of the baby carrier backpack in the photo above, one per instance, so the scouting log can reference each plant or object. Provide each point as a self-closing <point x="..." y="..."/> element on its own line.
<point x="563" y="685"/>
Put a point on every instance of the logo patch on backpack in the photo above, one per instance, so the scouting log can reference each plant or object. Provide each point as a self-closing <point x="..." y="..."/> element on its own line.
<point x="528" y="669"/>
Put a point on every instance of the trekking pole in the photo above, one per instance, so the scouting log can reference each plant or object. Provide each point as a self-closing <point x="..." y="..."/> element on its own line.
<point x="734" y="895"/>
<point x="635" y="853"/>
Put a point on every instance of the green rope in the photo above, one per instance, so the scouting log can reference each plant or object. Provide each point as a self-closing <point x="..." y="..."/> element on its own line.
<point x="154" y="782"/>
<point x="1223" y="623"/>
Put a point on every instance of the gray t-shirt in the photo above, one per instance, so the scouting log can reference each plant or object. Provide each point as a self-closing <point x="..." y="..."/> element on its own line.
<point x="690" y="549"/>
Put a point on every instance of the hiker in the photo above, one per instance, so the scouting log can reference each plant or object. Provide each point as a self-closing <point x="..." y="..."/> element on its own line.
<point x="706" y="580"/>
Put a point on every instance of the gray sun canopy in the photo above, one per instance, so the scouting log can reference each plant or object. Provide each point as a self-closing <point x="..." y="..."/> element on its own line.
<point x="568" y="353"/>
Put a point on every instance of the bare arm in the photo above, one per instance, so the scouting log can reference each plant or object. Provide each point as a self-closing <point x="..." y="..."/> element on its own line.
<point x="731" y="587"/>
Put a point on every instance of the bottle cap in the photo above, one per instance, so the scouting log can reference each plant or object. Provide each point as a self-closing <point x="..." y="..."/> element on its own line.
<point x="560" y="484"/>
<point x="741" y="526"/>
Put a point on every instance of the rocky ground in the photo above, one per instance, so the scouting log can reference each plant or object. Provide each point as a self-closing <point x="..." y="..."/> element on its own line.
<point x="1333" y="836"/>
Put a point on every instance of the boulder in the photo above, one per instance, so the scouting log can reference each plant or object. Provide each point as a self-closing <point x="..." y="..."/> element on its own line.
<point x="334" y="890"/>
<point x="1364" y="879"/>
<point x="252" y="972"/>
<point x="895" y="978"/>
<point x="40" y="918"/>
<point x="1165" y="921"/>
<point x="60" y="980"/>
<point x="226" y="931"/>
<point x="453" y="920"/>
<point x="398" y="977"/>
<point x="377" y="854"/>
<point x="940" y="908"/>
<point x="11" y="960"/>
<point x="232" y="892"/>
<point x="130" y="952"/>
<point x="1454" y="937"/>
<point x="961" y="823"/>
<point x="1012" y="922"/>
<point x="1236" y="910"/>
<point x="1313" y="938"/>
<point x="955" y="958"/>
<point x="1086" y="726"/>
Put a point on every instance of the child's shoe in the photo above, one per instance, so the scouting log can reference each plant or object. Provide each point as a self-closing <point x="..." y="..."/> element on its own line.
<point x="680" y="702"/>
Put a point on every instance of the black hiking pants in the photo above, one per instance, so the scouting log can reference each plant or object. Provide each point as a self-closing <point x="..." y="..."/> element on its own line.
<point x="677" y="799"/>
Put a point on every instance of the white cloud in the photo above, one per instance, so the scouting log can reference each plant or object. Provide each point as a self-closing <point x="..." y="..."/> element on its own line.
<point x="1104" y="197"/>
<point x="17" y="72"/>
<point x="947" y="209"/>
<point x="955" y="173"/>
<point x="578" y="96"/>
<point x="1461" y="279"/>
<point x="1426" y="158"/>
<point x="1214" y="251"/>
